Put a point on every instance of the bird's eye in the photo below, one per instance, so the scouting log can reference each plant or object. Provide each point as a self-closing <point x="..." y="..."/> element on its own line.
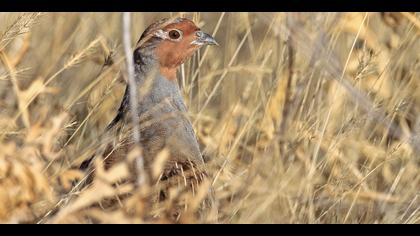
<point x="174" y="34"/>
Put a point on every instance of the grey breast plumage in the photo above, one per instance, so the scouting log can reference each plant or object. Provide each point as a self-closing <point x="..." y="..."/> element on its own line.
<point x="163" y="116"/>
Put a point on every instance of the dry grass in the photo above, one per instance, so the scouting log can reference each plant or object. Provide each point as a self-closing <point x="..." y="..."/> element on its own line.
<point x="303" y="117"/>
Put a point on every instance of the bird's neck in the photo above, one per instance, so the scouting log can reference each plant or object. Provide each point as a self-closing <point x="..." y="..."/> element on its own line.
<point x="156" y="83"/>
<point x="146" y="60"/>
<point x="158" y="89"/>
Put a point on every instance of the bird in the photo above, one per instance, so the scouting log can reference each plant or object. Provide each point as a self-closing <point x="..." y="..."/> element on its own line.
<point x="162" y="48"/>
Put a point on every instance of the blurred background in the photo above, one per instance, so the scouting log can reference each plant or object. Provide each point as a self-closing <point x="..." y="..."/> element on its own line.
<point x="302" y="117"/>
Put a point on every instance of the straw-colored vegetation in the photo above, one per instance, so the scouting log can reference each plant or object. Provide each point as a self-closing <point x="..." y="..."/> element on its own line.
<point x="302" y="117"/>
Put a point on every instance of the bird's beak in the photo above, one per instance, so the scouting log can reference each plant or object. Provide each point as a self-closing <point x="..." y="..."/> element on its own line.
<point x="204" y="39"/>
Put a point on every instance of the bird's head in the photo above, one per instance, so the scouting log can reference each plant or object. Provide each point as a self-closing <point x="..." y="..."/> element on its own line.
<point x="173" y="41"/>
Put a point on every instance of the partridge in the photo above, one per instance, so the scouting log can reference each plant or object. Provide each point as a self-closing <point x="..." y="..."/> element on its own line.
<point x="162" y="48"/>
